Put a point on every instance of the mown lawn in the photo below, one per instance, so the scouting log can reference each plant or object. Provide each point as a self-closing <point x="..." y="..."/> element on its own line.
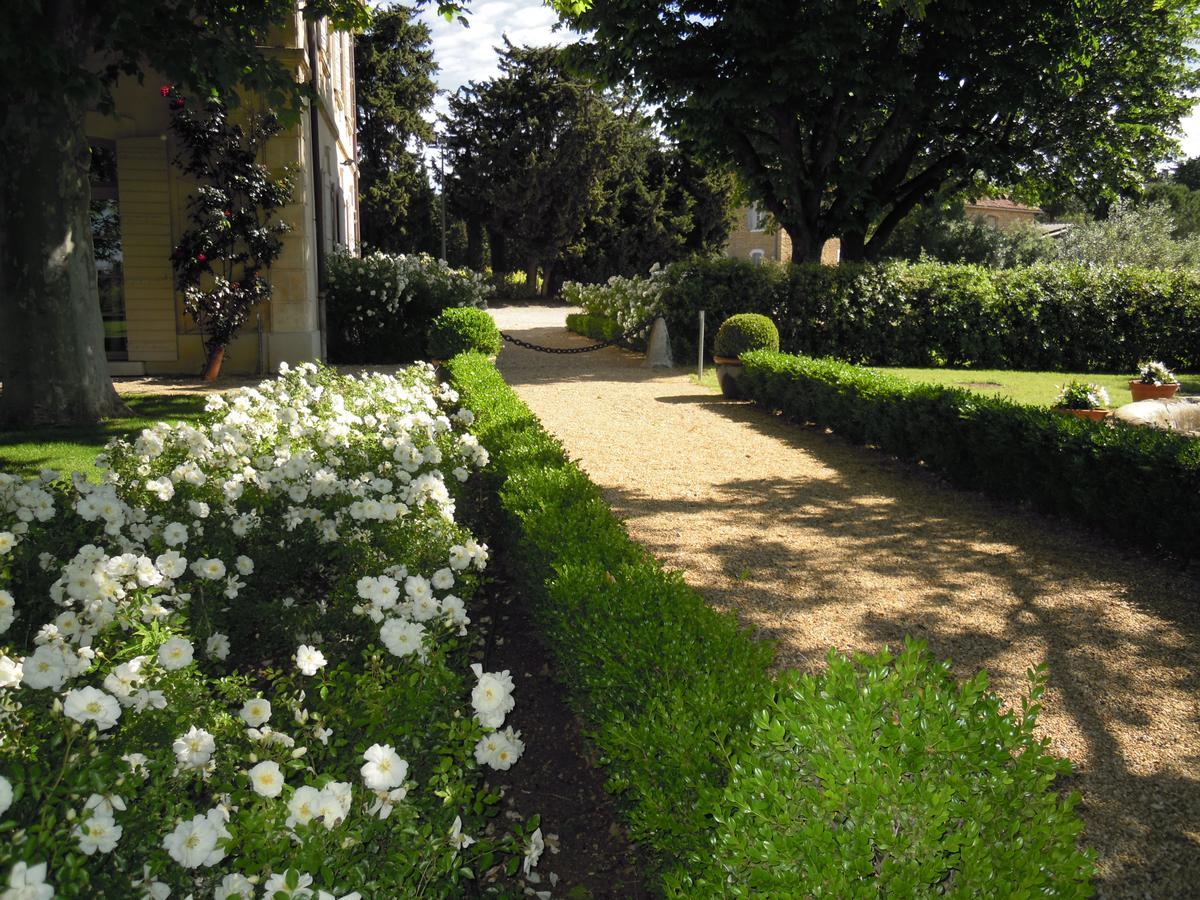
<point x="1033" y="388"/>
<point x="26" y="452"/>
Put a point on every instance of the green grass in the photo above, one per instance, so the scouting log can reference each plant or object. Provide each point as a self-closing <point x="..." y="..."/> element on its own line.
<point x="1031" y="388"/>
<point x="74" y="449"/>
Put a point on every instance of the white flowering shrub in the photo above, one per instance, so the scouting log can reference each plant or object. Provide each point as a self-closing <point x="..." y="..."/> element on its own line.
<point x="380" y="306"/>
<point x="627" y="301"/>
<point x="239" y="665"/>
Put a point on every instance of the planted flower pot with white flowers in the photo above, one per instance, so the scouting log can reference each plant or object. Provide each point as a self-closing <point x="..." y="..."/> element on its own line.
<point x="740" y="334"/>
<point x="1083" y="400"/>
<point x="1154" y="382"/>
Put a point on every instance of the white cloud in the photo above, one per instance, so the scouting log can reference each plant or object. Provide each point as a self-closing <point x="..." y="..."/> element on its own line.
<point x="468" y="53"/>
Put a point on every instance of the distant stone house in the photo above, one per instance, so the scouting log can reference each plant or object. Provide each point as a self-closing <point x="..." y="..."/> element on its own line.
<point x="1001" y="213"/>
<point x="754" y="239"/>
<point x="139" y="212"/>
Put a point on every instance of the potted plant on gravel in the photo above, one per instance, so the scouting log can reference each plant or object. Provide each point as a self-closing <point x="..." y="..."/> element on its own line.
<point x="1154" y="382"/>
<point x="740" y="334"/>
<point x="1083" y="400"/>
<point x="462" y="330"/>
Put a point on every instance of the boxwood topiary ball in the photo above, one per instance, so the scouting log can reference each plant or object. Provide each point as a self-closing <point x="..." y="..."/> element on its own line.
<point x="462" y="330"/>
<point x="745" y="332"/>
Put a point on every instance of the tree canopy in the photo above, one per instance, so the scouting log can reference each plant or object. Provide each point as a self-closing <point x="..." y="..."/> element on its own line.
<point x="844" y="115"/>
<point x="567" y="178"/>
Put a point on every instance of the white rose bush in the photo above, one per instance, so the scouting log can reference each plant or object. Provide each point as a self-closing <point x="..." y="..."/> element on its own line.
<point x="242" y="662"/>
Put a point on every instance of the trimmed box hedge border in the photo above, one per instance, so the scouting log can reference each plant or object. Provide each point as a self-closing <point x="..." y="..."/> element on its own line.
<point x="1141" y="485"/>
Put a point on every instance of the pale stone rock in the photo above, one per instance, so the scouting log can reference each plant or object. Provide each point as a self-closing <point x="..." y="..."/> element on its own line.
<point x="1175" y="414"/>
<point x="658" y="349"/>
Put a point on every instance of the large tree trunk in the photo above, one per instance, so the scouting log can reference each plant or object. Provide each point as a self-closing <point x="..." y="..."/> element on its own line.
<point x="498" y="246"/>
<point x="531" y="275"/>
<point x="52" y="361"/>
<point x="475" y="245"/>
<point x="854" y="246"/>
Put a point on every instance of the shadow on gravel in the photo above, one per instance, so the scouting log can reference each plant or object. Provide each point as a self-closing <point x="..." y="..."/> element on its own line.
<point x="892" y="523"/>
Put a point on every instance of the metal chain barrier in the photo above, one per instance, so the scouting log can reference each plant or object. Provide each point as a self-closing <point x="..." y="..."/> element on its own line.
<point x="642" y="326"/>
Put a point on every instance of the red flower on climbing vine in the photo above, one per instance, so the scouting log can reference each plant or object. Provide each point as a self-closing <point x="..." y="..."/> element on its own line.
<point x="200" y="257"/>
<point x="165" y="90"/>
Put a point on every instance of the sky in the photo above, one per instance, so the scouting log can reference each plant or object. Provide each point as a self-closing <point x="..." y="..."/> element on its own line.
<point x="468" y="54"/>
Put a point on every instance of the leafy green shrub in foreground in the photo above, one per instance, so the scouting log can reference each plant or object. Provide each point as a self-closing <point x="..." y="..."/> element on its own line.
<point x="744" y="332"/>
<point x="463" y="330"/>
<point x="726" y="774"/>
<point x="883" y="776"/>
<point x="1137" y="483"/>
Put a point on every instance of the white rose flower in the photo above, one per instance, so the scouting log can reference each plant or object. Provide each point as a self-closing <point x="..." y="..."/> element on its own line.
<point x="255" y="712"/>
<point x="492" y="696"/>
<point x="86" y="704"/>
<point x="443" y="579"/>
<point x="7" y="541"/>
<point x="175" y="534"/>
<point x="194" y="749"/>
<point x="309" y="659"/>
<point x="245" y="565"/>
<point x="460" y="557"/>
<point x="266" y="779"/>
<point x="217" y="646"/>
<point x="171" y="564"/>
<point x="302" y="807"/>
<point x="383" y="769"/>
<point x="10" y="672"/>
<point x="100" y="833"/>
<point x="175" y="653"/>
<point x="195" y="843"/>
<point x="6" y="795"/>
<point x="45" y="668"/>
<point x="26" y="882"/>
<point x="402" y="637"/>
<point x="277" y="884"/>
<point x="533" y="851"/>
<point x="210" y="569"/>
<point x="234" y="886"/>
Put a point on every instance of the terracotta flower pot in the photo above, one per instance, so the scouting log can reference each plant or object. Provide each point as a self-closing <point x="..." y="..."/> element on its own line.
<point x="1142" y="391"/>
<point x="1092" y="415"/>
<point x="728" y="370"/>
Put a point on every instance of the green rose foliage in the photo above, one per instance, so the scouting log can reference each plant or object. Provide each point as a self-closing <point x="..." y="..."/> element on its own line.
<point x="463" y="330"/>
<point x="744" y="332"/>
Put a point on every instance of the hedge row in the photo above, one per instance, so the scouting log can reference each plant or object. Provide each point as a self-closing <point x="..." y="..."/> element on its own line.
<point x="1139" y="484"/>
<point x="1042" y="318"/>
<point x="725" y="772"/>
<point x="600" y="328"/>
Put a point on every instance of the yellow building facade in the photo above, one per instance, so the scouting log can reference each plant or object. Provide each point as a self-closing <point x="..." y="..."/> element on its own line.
<point x="754" y="239"/>
<point x="140" y="202"/>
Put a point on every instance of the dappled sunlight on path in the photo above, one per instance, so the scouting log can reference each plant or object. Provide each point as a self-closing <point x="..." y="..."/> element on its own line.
<point x="815" y="544"/>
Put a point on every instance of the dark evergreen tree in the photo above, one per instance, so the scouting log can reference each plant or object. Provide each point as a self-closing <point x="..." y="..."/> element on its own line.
<point x="394" y="69"/>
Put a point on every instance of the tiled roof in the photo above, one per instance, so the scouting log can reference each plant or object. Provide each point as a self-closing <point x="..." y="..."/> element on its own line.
<point x="1001" y="203"/>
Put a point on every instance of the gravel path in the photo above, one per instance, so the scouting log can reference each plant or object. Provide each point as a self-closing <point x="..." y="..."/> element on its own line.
<point x="816" y="543"/>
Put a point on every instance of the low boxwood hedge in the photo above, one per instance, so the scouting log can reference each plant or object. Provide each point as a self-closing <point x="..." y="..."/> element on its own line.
<point x="1139" y="484"/>
<point x="600" y="328"/>
<point x="720" y="765"/>
<point x="462" y="330"/>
